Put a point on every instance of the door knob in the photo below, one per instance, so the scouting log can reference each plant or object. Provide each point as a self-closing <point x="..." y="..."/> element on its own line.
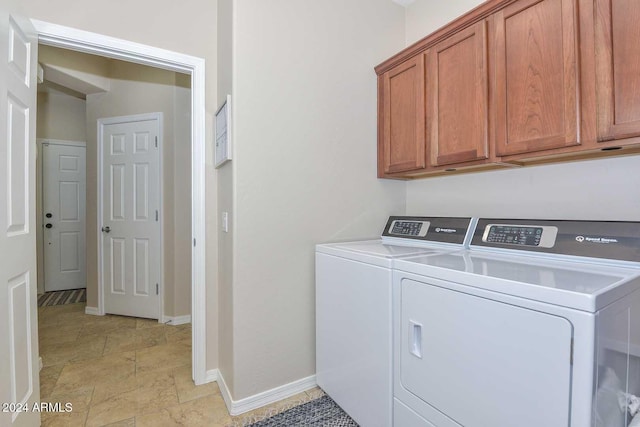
<point x="106" y="229"/>
<point x="48" y="215"/>
<point x="48" y="225"/>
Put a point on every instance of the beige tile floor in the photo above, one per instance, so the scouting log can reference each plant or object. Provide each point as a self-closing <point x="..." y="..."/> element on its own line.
<point x="123" y="371"/>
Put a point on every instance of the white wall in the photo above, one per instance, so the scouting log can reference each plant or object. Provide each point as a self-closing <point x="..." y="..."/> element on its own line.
<point x="604" y="189"/>
<point x="425" y="16"/>
<point x="305" y="168"/>
<point x="599" y="190"/>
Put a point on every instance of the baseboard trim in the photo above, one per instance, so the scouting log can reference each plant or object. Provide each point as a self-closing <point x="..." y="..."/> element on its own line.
<point x="224" y="391"/>
<point x="211" y="376"/>
<point x="176" y="320"/>
<point x="92" y="311"/>
<point x="237" y="407"/>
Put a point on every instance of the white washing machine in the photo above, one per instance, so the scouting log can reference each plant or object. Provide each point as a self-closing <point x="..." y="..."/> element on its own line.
<point x="353" y="311"/>
<point x="538" y="324"/>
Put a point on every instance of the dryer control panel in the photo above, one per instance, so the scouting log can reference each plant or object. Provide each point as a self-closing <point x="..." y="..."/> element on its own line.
<point x="616" y="240"/>
<point x="522" y="235"/>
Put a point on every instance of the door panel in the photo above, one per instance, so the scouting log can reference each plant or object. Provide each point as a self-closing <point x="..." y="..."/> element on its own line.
<point x="141" y="191"/>
<point x="536" y="80"/>
<point x="17" y="165"/>
<point x="64" y="210"/>
<point x="141" y="266"/>
<point x="464" y="355"/>
<point x="19" y="382"/>
<point x="117" y="266"/>
<point x="117" y="192"/>
<point x="618" y="68"/>
<point x="131" y="204"/>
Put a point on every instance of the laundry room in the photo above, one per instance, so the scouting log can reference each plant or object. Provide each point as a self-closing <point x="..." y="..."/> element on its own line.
<point x="536" y="123"/>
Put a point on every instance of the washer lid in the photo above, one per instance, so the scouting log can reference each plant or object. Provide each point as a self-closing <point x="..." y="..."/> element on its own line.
<point x="377" y="252"/>
<point x="380" y="249"/>
<point x="583" y="286"/>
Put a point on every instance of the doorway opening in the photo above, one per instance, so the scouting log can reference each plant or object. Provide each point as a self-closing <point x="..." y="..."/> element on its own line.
<point x="193" y="68"/>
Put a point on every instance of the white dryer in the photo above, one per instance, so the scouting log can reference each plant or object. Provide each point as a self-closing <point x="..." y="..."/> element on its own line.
<point x="538" y="324"/>
<point x="353" y="311"/>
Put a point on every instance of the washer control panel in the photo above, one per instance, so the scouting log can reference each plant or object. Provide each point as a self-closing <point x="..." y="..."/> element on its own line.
<point x="427" y="228"/>
<point x="522" y="235"/>
<point x="403" y="228"/>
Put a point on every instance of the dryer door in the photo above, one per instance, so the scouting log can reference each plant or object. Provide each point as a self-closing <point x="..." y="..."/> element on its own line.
<point x="483" y="362"/>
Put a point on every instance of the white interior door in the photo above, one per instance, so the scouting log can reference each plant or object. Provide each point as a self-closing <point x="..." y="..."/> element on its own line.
<point x="19" y="384"/>
<point x="64" y="207"/>
<point x="131" y="232"/>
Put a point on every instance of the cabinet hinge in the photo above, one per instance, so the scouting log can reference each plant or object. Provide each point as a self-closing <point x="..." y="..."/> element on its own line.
<point x="571" y="353"/>
<point x="156" y="142"/>
<point x="157" y="289"/>
<point x="156" y="215"/>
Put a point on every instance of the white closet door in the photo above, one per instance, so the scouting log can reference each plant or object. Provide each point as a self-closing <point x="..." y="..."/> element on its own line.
<point x="131" y="264"/>
<point x="64" y="210"/>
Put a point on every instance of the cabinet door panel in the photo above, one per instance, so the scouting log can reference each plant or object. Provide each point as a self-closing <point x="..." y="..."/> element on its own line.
<point x="618" y="68"/>
<point x="536" y="81"/>
<point x="457" y="98"/>
<point x="404" y="136"/>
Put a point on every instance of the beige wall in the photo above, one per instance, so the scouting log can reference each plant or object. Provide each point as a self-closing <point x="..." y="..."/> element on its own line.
<point x="600" y="189"/>
<point x="182" y="196"/>
<point x="225" y="201"/>
<point x="61" y="116"/>
<point x="304" y="169"/>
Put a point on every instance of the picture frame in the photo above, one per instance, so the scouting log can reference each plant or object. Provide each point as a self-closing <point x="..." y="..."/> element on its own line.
<point x="222" y="142"/>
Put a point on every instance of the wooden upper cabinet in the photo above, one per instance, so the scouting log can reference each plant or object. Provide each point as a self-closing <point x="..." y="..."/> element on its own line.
<point x="617" y="44"/>
<point x="457" y="98"/>
<point x="536" y="100"/>
<point x="402" y="143"/>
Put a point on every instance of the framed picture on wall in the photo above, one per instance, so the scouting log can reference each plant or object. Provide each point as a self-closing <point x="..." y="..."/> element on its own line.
<point x="223" y="133"/>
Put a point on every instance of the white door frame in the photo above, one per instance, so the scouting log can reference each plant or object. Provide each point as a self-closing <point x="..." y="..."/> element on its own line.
<point x="127" y="119"/>
<point x="83" y="41"/>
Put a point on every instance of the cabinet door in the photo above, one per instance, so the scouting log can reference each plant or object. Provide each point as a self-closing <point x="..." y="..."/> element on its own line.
<point x="403" y="142"/>
<point x="457" y="97"/>
<point x="618" y="68"/>
<point x="536" y="77"/>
